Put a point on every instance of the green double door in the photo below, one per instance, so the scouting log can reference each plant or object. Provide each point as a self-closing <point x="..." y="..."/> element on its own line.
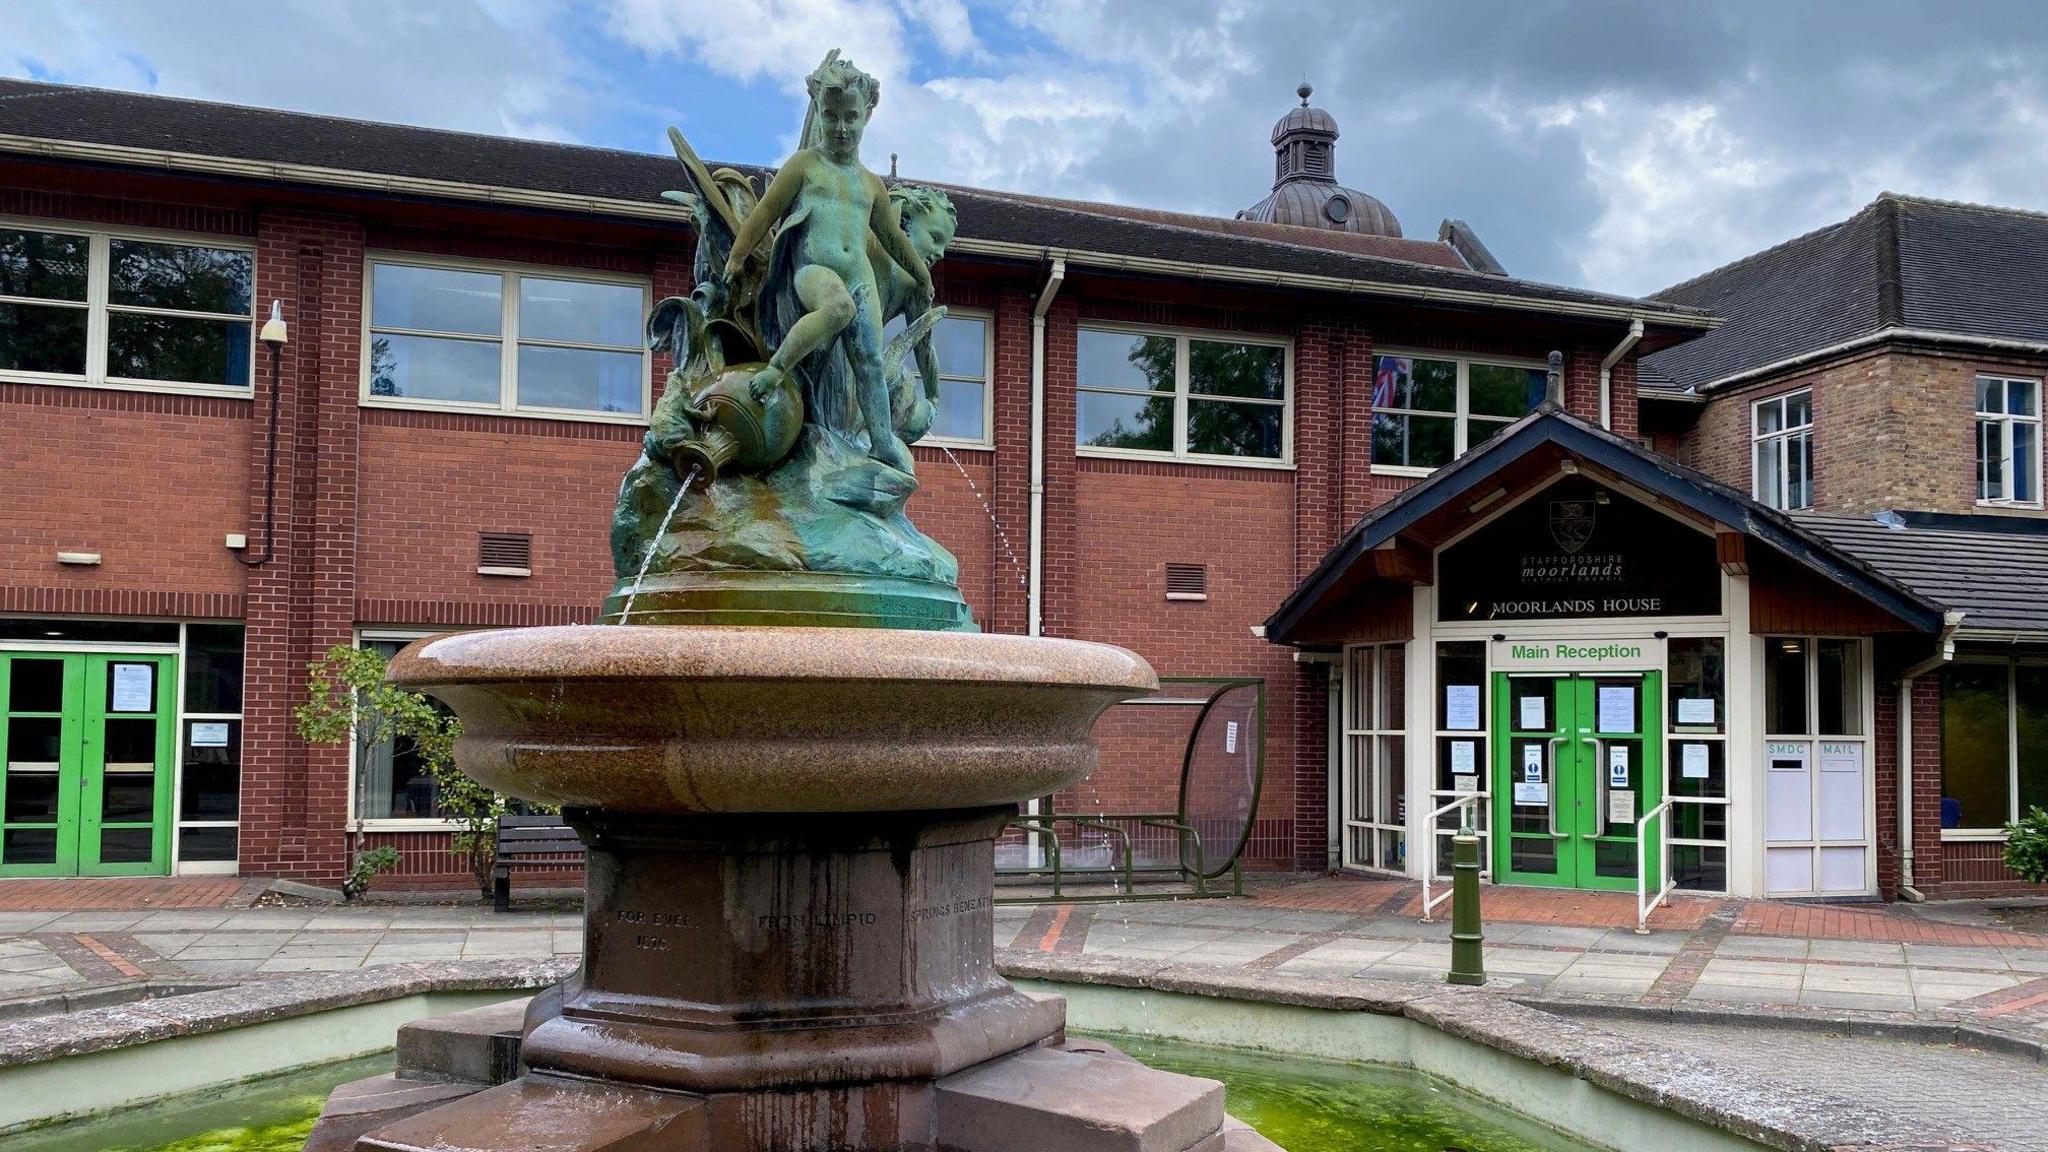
<point x="86" y="742"/>
<point x="1577" y="761"/>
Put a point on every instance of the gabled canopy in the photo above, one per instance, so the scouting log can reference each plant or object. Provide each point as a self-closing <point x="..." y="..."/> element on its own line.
<point x="1394" y="544"/>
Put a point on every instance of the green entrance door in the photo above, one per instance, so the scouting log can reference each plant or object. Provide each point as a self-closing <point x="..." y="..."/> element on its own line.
<point x="86" y="741"/>
<point x="1576" y="763"/>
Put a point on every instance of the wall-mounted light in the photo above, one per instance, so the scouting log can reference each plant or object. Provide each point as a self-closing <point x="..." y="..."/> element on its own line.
<point x="80" y="558"/>
<point x="273" y="332"/>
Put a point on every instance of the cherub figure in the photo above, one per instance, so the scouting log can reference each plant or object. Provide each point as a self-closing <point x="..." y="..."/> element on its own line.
<point x="824" y="205"/>
<point x="928" y="219"/>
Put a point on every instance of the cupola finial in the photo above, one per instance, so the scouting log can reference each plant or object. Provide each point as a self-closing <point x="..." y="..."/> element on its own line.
<point x="1305" y="91"/>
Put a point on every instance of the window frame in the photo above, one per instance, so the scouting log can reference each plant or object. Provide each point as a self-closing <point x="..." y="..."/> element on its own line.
<point x="97" y="307"/>
<point x="987" y="382"/>
<point x="2006" y="421"/>
<point x="508" y="339"/>
<point x="2012" y="665"/>
<point x="1783" y="435"/>
<point x="1461" y="413"/>
<point x="1181" y="337"/>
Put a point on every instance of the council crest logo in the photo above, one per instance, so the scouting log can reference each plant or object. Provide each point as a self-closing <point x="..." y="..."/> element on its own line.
<point x="1571" y="524"/>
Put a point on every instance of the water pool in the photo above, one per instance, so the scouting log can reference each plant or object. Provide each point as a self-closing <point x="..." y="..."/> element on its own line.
<point x="1305" y="1105"/>
<point x="269" y="1115"/>
<point x="1309" y="1105"/>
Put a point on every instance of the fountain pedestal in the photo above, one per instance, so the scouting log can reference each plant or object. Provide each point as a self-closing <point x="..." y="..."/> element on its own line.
<point x="788" y="940"/>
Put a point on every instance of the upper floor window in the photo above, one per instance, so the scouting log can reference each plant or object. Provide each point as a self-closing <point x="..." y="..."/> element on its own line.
<point x="472" y="337"/>
<point x="962" y="345"/>
<point x="1430" y="410"/>
<point x="2008" y="440"/>
<point x="1185" y="396"/>
<point x="83" y="307"/>
<point x="1781" y="434"/>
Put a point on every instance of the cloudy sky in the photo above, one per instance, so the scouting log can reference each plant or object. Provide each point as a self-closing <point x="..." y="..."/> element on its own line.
<point x="1616" y="145"/>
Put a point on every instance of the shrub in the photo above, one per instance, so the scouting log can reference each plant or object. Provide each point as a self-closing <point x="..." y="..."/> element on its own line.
<point x="2026" y="847"/>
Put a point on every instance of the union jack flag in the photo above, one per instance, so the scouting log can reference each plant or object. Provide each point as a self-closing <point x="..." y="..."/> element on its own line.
<point x="1386" y="381"/>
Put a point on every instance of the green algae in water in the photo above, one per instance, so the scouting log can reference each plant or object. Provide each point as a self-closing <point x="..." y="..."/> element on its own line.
<point x="270" y="1115"/>
<point x="1308" y="1105"/>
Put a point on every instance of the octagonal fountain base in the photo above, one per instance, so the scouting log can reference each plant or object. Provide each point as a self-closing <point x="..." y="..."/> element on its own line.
<point x="788" y="935"/>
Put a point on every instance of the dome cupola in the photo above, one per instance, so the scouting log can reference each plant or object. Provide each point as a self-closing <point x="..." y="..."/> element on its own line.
<point x="1305" y="189"/>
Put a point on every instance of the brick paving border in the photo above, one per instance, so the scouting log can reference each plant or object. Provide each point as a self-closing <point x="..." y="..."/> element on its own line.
<point x="129" y="894"/>
<point x="1684" y="969"/>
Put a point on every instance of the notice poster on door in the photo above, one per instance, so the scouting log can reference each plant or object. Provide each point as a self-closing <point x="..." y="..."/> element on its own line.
<point x="1230" y="736"/>
<point x="1621" y="806"/>
<point x="209" y="733"/>
<point x="1617" y="767"/>
<point x="134" y="688"/>
<point x="1617" y="708"/>
<point x="1695" y="710"/>
<point x="1532" y="795"/>
<point x="1461" y="707"/>
<point x="1532" y="762"/>
<point x="1532" y="714"/>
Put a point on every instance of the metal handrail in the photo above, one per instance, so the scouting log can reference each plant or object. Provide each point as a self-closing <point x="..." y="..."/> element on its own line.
<point x="1665" y="884"/>
<point x="1430" y="832"/>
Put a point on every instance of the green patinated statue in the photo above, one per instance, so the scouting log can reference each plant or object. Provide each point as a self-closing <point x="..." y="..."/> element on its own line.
<point x="772" y="479"/>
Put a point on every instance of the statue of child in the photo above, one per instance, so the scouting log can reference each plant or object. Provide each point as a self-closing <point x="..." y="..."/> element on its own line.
<point x="825" y="204"/>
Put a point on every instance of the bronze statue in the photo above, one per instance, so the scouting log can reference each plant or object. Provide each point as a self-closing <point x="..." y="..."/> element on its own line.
<point x="774" y="472"/>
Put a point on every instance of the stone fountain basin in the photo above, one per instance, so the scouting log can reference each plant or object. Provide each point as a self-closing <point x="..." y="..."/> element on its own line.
<point x="697" y="719"/>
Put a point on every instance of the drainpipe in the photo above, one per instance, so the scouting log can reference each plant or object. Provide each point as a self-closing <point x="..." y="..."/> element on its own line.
<point x="1053" y="279"/>
<point x="1635" y="333"/>
<point x="1944" y="652"/>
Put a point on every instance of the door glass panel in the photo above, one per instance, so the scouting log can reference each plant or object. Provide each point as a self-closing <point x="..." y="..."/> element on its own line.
<point x="38" y="686"/>
<point x="204" y="844"/>
<point x="1529" y="784"/>
<point x="131" y="741"/>
<point x="1614" y="859"/>
<point x="126" y="845"/>
<point x="1621" y="794"/>
<point x="31" y="798"/>
<point x="1534" y="855"/>
<point x="33" y="740"/>
<point x="213" y="759"/>
<point x="128" y="797"/>
<point x="28" y="846"/>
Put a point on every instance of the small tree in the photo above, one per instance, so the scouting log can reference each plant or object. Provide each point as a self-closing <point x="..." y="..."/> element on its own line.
<point x="347" y="698"/>
<point x="2026" y="847"/>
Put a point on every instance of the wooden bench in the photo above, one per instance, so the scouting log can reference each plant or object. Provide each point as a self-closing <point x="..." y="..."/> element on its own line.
<point x="530" y="842"/>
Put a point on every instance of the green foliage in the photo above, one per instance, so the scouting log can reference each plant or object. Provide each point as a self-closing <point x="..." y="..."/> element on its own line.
<point x="346" y="694"/>
<point x="366" y="867"/>
<point x="2026" y="847"/>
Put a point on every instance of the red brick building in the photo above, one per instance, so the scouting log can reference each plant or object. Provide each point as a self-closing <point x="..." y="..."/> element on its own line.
<point x="1224" y="404"/>
<point x="419" y="456"/>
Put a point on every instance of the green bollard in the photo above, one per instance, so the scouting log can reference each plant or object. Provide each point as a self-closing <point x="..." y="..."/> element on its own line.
<point x="1467" y="966"/>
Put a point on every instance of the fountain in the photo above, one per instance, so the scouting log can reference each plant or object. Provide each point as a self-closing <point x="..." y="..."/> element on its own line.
<point x="787" y="749"/>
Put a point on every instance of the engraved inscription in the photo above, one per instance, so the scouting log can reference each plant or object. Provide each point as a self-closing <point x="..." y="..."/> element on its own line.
<point x="935" y="911"/>
<point x="642" y="918"/>
<point x="819" y="920"/>
<point x="648" y="943"/>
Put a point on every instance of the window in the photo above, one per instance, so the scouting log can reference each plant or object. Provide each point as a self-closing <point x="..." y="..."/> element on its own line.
<point x="210" y="766"/>
<point x="2008" y="440"/>
<point x="1816" y="779"/>
<point x="1781" y="431"/>
<point x="125" y="311"/>
<point x="1696" y="768"/>
<point x="963" y="348"/>
<point x="506" y="341"/>
<point x="1190" y="397"/>
<point x="1429" y="410"/>
<point x="1375" y="757"/>
<point x="1994" y="742"/>
<point x="391" y="783"/>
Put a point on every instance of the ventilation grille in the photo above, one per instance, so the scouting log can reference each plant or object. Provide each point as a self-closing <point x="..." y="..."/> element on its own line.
<point x="504" y="554"/>
<point x="1187" y="581"/>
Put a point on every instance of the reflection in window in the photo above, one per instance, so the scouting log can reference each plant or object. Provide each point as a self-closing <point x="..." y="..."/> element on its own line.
<point x="392" y="783"/>
<point x="168" y="312"/>
<point x="1428" y="411"/>
<point x="1182" y="396"/>
<point x="960" y="345"/>
<point x="506" y="341"/>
